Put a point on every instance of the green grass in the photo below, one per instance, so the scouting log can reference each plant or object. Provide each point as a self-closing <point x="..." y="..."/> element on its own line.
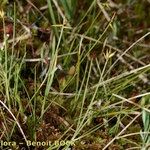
<point x="77" y="71"/>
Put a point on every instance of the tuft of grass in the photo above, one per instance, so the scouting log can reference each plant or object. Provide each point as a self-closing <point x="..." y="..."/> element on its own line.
<point x="77" y="71"/>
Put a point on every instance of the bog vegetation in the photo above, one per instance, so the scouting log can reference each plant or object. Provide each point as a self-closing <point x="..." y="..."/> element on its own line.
<point x="75" y="72"/>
